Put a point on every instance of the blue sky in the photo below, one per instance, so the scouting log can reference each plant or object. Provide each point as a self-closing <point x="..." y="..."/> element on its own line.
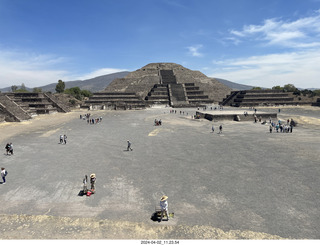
<point x="254" y="42"/>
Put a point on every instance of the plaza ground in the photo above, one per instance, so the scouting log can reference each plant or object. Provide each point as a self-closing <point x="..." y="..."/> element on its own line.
<point x="242" y="184"/>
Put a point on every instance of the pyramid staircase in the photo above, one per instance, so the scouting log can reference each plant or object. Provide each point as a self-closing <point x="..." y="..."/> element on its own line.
<point x="12" y="112"/>
<point x="176" y="94"/>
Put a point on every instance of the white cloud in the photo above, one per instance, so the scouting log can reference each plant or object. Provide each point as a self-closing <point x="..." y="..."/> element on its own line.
<point x="31" y="69"/>
<point x="194" y="50"/>
<point x="100" y="72"/>
<point x="298" y="68"/>
<point x="35" y="70"/>
<point x="294" y="34"/>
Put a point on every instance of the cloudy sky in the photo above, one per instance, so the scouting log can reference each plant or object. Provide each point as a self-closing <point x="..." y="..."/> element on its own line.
<point x="253" y="42"/>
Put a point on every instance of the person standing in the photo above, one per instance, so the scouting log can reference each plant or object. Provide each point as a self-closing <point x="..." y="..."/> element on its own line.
<point x="11" y="148"/>
<point x="129" y="145"/>
<point x="7" y="148"/>
<point x="164" y="207"/>
<point x="85" y="181"/>
<point x="220" y="129"/>
<point x="212" y="129"/>
<point x="93" y="182"/>
<point x="3" y="175"/>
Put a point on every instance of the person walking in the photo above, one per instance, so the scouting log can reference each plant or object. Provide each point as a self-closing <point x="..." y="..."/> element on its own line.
<point x="65" y="139"/>
<point x="61" y="138"/>
<point x="212" y="129"/>
<point x="220" y="129"/>
<point x="129" y="145"/>
<point x="164" y="207"/>
<point x="3" y="175"/>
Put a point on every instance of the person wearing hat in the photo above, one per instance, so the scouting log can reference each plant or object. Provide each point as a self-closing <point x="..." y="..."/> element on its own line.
<point x="93" y="181"/>
<point x="164" y="207"/>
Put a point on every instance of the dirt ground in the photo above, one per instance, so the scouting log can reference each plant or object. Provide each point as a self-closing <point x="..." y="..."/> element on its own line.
<point x="15" y="226"/>
<point x="50" y="227"/>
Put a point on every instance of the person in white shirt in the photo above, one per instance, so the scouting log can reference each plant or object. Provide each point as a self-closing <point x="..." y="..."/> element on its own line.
<point x="3" y="175"/>
<point x="164" y="207"/>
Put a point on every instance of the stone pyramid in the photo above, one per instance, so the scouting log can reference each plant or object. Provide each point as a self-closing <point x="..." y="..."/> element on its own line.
<point x="143" y="80"/>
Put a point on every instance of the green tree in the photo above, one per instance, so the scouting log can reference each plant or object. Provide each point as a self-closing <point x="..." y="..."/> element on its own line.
<point x="86" y="93"/>
<point x="256" y="88"/>
<point x="60" y="86"/>
<point x="277" y="87"/>
<point x="290" y="88"/>
<point x="78" y="93"/>
<point x="75" y="92"/>
<point x="14" y="88"/>
<point x="22" y="89"/>
<point x="316" y="92"/>
<point x="37" y="90"/>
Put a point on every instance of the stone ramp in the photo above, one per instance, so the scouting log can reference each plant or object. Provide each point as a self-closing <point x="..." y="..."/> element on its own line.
<point x="11" y="110"/>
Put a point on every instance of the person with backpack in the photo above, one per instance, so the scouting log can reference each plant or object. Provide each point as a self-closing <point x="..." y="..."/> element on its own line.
<point x="3" y="175"/>
<point x="7" y="148"/>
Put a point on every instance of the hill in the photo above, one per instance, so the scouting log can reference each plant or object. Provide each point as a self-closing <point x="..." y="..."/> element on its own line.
<point x="234" y="86"/>
<point x="101" y="82"/>
<point x="94" y="84"/>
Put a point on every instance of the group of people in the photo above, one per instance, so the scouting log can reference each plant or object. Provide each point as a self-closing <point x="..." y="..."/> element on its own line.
<point x="281" y="127"/>
<point x="219" y="107"/>
<point x="63" y="139"/>
<point x="90" y="120"/>
<point x="157" y="122"/>
<point x="92" y="183"/>
<point x="220" y="129"/>
<point x="9" y="148"/>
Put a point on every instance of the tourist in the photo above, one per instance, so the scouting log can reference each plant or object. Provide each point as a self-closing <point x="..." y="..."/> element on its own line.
<point x="85" y="181"/>
<point x="3" y="175"/>
<point x="65" y="139"/>
<point x="93" y="181"/>
<point x="7" y="147"/>
<point x="129" y="145"/>
<point x="212" y="129"/>
<point x="61" y="138"/>
<point x="220" y="129"/>
<point x="270" y="127"/>
<point x="164" y="207"/>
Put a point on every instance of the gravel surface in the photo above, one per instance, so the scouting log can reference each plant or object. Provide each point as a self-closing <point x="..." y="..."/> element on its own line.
<point x="242" y="184"/>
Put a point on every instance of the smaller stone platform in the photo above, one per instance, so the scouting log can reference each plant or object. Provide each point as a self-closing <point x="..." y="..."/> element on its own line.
<point x="236" y="115"/>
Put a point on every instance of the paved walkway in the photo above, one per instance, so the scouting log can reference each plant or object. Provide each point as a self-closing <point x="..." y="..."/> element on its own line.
<point x="242" y="179"/>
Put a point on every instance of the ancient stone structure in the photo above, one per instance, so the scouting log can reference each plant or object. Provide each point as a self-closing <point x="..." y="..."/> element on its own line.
<point x="22" y="106"/>
<point x="250" y="98"/>
<point x="317" y="103"/>
<point x="164" y="83"/>
<point x="114" y="100"/>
